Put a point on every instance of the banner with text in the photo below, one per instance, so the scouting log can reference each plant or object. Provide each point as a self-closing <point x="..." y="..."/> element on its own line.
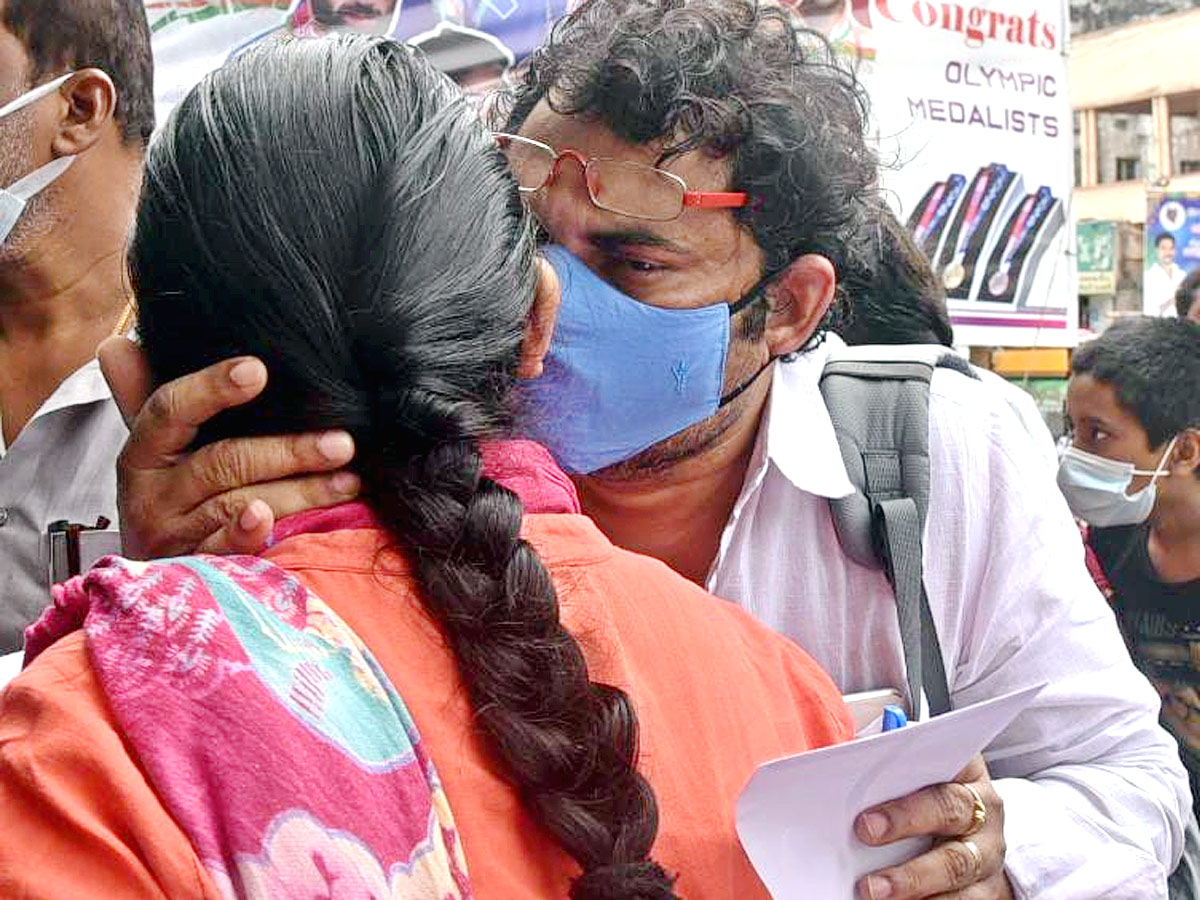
<point x="970" y="102"/>
<point x="1097" y="259"/>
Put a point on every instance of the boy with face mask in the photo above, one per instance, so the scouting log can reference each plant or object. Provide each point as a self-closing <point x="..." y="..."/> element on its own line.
<point x="1133" y="474"/>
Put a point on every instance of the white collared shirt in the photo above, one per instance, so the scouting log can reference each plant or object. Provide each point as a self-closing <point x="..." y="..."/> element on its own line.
<point x="61" y="466"/>
<point x="1095" y="794"/>
<point x="1160" y="287"/>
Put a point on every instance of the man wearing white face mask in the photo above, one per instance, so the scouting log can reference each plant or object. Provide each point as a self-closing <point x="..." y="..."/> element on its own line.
<point x="1133" y="473"/>
<point x="76" y="111"/>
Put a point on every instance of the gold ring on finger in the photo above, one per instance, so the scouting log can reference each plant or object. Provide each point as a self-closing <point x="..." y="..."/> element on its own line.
<point x="976" y="858"/>
<point x="979" y="813"/>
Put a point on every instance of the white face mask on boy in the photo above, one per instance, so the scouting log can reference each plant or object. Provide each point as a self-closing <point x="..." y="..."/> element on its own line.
<point x="1095" y="487"/>
<point x="14" y="197"/>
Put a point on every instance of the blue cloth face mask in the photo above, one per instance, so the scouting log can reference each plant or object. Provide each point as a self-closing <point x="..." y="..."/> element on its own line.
<point x="14" y="197"/>
<point x="1095" y="487"/>
<point x="622" y="375"/>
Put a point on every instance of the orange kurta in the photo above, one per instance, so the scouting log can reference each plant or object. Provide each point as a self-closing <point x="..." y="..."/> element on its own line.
<point x="716" y="694"/>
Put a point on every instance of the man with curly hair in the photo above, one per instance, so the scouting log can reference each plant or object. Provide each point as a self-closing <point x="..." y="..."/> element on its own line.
<point x="703" y="159"/>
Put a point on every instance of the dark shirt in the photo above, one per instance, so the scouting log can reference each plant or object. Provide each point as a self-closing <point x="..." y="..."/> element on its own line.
<point x="1161" y="623"/>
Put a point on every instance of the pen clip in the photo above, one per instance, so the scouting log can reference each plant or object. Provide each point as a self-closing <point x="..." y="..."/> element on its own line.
<point x="71" y="532"/>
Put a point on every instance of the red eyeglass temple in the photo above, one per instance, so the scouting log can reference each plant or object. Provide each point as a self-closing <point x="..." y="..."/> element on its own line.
<point x="715" y="199"/>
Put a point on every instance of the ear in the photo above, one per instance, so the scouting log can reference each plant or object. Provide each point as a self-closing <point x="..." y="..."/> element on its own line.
<point x="539" y="327"/>
<point x="799" y="297"/>
<point x="1186" y="455"/>
<point x="90" y="104"/>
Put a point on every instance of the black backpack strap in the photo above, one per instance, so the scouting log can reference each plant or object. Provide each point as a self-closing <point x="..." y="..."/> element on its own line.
<point x="880" y="413"/>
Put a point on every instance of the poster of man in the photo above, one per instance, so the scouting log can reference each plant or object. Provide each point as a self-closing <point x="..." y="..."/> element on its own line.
<point x="313" y="18"/>
<point x="1172" y="249"/>
<point x="1163" y="277"/>
<point x="846" y="23"/>
<point x="970" y="111"/>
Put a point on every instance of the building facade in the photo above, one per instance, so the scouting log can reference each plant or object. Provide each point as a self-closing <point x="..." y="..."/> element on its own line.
<point x="1135" y="91"/>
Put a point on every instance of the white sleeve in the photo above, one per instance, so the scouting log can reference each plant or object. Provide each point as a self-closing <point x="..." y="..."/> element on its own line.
<point x="1094" y="791"/>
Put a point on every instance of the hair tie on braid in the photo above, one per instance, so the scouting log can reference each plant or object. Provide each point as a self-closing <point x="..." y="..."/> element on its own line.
<point x="644" y="880"/>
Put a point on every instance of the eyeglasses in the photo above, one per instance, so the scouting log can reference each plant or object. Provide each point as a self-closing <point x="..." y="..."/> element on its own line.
<point x="626" y="188"/>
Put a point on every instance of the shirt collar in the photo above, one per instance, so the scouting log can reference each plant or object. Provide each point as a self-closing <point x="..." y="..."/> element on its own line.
<point x="800" y="440"/>
<point x="85" y="385"/>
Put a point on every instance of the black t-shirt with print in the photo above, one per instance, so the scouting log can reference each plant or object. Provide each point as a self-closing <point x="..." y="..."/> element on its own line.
<point x="1161" y="623"/>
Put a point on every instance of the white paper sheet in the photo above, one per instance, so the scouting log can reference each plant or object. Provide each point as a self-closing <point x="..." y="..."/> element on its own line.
<point x="10" y="667"/>
<point x="796" y="815"/>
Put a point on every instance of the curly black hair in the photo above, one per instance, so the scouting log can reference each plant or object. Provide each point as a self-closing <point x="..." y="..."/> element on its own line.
<point x="730" y="78"/>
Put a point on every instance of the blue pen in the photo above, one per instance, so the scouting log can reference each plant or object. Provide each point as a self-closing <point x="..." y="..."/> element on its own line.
<point x="894" y="717"/>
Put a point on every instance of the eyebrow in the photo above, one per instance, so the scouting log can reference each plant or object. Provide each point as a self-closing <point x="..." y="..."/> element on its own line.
<point x="636" y="237"/>
<point x="1100" y="422"/>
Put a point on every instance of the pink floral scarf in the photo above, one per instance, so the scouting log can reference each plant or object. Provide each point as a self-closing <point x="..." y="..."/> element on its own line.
<point x="268" y="729"/>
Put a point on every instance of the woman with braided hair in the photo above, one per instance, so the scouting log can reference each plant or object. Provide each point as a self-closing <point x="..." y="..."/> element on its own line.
<point x="457" y="688"/>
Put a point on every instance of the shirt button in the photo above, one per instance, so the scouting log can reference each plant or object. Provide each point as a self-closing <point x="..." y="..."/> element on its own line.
<point x="3" y="516"/>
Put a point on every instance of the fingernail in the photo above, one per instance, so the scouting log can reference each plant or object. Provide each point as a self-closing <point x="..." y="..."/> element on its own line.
<point x="879" y="888"/>
<point x="336" y="446"/>
<point x="247" y="373"/>
<point x="251" y="517"/>
<point x="345" y="483"/>
<point x="875" y="824"/>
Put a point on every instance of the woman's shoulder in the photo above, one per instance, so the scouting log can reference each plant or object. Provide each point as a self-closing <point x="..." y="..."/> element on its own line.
<point x="62" y="761"/>
<point x="53" y="710"/>
<point x="62" y="672"/>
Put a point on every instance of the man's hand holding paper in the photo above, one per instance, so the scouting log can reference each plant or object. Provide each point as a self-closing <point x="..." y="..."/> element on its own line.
<point x="808" y="823"/>
<point x="966" y="819"/>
